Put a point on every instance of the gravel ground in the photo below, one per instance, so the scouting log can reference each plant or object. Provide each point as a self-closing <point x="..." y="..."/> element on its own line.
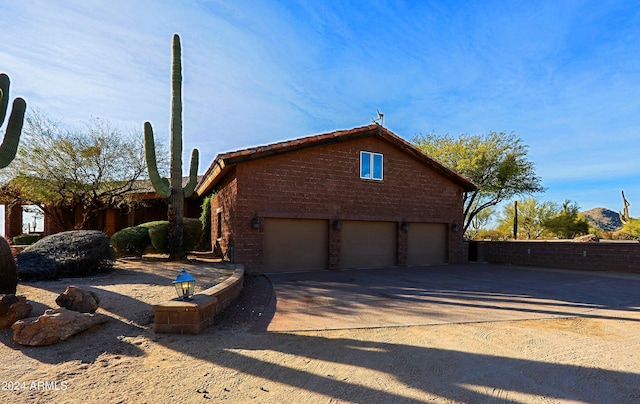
<point x="590" y="360"/>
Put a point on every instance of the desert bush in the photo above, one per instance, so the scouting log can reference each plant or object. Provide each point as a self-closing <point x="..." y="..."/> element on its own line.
<point x="26" y="239"/>
<point x="131" y="241"/>
<point x="158" y="233"/>
<point x="622" y="235"/>
<point x="205" y="219"/>
<point x="74" y="253"/>
<point x="632" y="228"/>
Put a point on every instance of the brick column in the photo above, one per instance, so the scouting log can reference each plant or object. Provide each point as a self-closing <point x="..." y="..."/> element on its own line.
<point x="12" y="220"/>
<point x="402" y="244"/>
<point x="335" y="244"/>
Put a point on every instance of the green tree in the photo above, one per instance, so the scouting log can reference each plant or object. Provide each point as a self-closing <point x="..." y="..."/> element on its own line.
<point x="567" y="223"/>
<point x="496" y="162"/>
<point x="532" y="216"/>
<point x="479" y="223"/>
<point x="63" y="169"/>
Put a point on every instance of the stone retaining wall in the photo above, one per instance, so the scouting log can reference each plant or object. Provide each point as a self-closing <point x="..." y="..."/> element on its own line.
<point x="195" y="315"/>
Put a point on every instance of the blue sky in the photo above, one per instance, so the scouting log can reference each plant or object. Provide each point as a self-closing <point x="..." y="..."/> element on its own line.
<point x="563" y="75"/>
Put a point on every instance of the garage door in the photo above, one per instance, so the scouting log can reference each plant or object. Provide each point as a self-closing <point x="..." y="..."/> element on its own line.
<point x="427" y="244"/>
<point x="368" y="244"/>
<point x="295" y="245"/>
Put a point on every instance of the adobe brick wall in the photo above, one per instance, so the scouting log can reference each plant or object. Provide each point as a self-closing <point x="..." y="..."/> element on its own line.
<point x="224" y="203"/>
<point x="323" y="182"/>
<point x="602" y="256"/>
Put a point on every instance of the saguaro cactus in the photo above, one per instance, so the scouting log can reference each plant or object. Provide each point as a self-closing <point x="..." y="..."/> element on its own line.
<point x="8" y="149"/>
<point x="173" y="189"/>
<point x="624" y="218"/>
<point x="9" y="145"/>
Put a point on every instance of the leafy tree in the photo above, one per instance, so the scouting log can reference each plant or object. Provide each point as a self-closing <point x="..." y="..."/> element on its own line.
<point x="568" y="222"/>
<point x="532" y="216"/>
<point x="62" y="169"/>
<point x="479" y="223"/>
<point x="496" y="162"/>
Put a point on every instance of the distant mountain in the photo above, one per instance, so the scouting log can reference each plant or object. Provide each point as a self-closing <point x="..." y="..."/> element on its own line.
<point x="604" y="219"/>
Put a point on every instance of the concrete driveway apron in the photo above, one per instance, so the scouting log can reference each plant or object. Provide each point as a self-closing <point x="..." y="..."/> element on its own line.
<point x="444" y="294"/>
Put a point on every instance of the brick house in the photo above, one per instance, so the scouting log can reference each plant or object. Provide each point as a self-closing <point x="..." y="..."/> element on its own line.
<point x="357" y="198"/>
<point x="149" y="207"/>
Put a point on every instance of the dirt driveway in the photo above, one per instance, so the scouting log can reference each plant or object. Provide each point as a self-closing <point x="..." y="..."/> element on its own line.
<point x="446" y="294"/>
<point x="541" y="337"/>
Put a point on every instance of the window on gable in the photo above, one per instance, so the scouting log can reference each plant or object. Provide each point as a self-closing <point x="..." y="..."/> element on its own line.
<point x="371" y="165"/>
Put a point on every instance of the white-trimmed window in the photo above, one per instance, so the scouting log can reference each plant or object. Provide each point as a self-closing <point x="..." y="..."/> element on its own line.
<point x="371" y="165"/>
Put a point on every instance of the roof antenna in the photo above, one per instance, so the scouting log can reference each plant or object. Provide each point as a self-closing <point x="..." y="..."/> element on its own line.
<point x="380" y="119"/>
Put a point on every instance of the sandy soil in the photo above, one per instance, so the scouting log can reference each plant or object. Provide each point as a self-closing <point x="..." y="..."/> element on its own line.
<point x="594" y="360"/>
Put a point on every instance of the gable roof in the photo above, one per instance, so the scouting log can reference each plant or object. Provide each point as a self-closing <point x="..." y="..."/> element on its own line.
<point x="225" y="161"/>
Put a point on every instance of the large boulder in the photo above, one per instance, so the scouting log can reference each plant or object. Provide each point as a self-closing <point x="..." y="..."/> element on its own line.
<point x="68" y="254"/>
<point x="54" y="326"/>
<point x="12" y="309"/>
<point x="78" y="299"/>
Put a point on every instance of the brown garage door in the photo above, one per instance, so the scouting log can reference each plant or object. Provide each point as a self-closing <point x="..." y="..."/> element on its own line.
<point x="295" y="245"/>
<point x="368" y="244"/>
<point x="427" y="243"/>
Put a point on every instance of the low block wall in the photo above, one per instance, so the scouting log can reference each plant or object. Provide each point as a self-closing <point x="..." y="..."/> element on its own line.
<point x="602" y="256"/>
<point x="195" y="315"/>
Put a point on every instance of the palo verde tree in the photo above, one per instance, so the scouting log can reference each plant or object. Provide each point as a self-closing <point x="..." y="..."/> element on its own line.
<point x="8" y="270"/>
<point x="81" y="170"/>
<point x="173" y="189"/>
<point x="567" y="223"/>
<point x="497" y="163"/>
<point x="532" y="216"/>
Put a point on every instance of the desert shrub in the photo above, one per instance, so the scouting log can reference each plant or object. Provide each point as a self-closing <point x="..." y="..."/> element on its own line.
<point x="491" y="234"/>
<point x="131" y="241"/>
<point x="192" y="233"/>
<point x="622" y="235"/>
<point x="632" y="228"/>
<point x="158" y="234"/>
<point x="68" y="254"/>
<point x="159" y="230"/>
<point x="26" y="239"/>
<point x="205" y="219"/>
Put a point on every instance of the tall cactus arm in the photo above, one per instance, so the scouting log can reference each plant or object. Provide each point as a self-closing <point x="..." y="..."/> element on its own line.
<point x="9" y="146"/>
<point x="161" y="185"/>
<point x="4" y="96"/>
<point x="176" y="115"/>
<point x="11" y="139"/>
<point x="193" y="174"/>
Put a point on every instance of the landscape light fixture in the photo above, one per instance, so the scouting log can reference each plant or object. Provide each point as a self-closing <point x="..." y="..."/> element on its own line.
<point x="185" y="285"/>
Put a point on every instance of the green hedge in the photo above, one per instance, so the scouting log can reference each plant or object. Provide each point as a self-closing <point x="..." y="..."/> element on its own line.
<point x="158" y="233"/>
<point x="131" y="240"/>
<point x="26" y="239"/>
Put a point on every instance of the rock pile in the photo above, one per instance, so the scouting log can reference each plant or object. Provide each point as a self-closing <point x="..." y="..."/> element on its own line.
<point x="76" y="314"/>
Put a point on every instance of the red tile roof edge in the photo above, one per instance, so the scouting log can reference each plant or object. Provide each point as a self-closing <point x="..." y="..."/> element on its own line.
<point x="252" y="153"/>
